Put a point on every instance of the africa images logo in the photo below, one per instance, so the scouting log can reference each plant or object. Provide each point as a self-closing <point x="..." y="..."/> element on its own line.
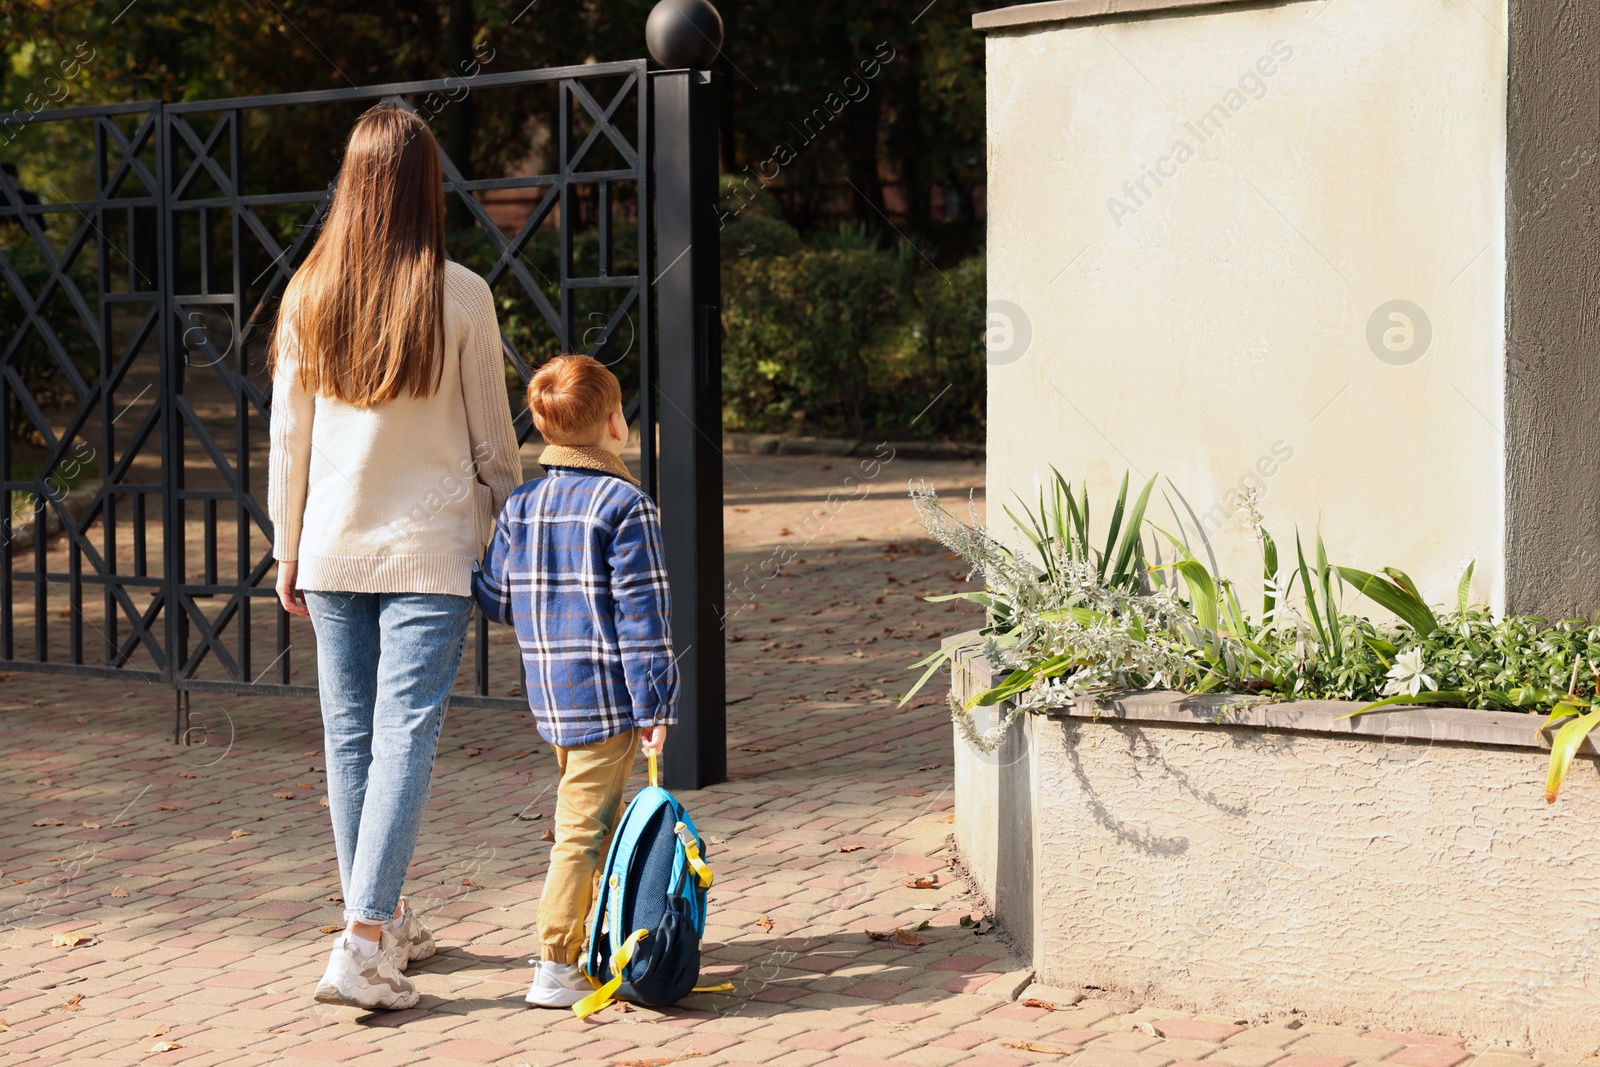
<point x="1252" y="85"/>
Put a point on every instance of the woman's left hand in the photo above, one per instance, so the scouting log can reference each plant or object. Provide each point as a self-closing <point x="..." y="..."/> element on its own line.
<point x="289" y="594"/>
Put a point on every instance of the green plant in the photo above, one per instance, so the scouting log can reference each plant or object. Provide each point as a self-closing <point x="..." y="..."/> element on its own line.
<point x="855" y="341"/>
<point x="804" y="338"/>
<point x="1058" y="626"/>
<point x="941" y="355"/>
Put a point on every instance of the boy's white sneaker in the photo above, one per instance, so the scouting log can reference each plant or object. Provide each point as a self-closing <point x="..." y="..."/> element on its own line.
<point x="357" y="981"/>
<point x="557" y="985"/>
<point x="412" y="940"/>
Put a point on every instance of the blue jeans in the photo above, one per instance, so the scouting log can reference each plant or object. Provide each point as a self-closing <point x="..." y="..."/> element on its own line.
<point x="385" y="664"/>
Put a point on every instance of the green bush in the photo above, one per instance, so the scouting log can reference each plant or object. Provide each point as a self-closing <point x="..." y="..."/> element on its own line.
<point x="852" y="341"/>
<point x="758" y="237"/>
<point x="945" y="352"/>
<point x="805" y="339"/>
<point x="839" y="338"/>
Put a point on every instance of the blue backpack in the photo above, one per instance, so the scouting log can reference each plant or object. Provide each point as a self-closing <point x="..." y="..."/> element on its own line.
<point x="650" y="914"/>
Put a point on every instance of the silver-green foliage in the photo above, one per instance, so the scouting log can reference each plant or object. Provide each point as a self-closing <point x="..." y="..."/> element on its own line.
<point x="1075" y="616"/>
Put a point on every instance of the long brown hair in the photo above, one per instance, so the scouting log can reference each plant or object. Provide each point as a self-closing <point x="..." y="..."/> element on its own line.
<point x="366" y="307"/>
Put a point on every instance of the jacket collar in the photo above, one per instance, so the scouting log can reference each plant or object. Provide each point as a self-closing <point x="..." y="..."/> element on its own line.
<point x="585" y="458"/>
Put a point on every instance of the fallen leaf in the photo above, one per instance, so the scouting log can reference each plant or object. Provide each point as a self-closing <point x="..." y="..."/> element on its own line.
<point x="795" y="700"/>
<point x="3" y="1026"/>
<point x="90" y="825"/>
<point x="71" y="940"/>
<point x="949" y="818"/>
<point x="922" y="881"/>
<point x="54" y="859"/>
<point x="283" y="826"/>
<point x="764" y="923"/>
<point x="322" y="801"/>
<point x="283" y="796"/>
<point x="851" y="848"/>
<point x="529" y="816"/>
<point x="875" y="936"/>
<point x="20" y="881"/>
<point x="331" y="929"/>
<point x="753" y="748"/>
<point x="907" y="937"/>
<point x="118" y="892"/>
<point x="1035" y="1002"/>
<point x="470" y="884"/>
<point x="120" y="825"/>
<point x="157" y="1031"/>
<point x="49" y="822"/>
<point x="1034" y="1046"/>
<point x="304" y="785"/>
<point x="474" y="751"/>
<point x="622" y="1006"/>
<point x="1148" y="1029"/>
<point x="928" y="767"/>
<point x="657" y="1061"/>
<point x="548" y="835"/>
<point x="74" y="1003"/>
<point x="187" y="774"/>
<point x="166" y="807"/>
<point x="521" y="755"/>
<point x="978" y="926"/>
<point x="164" y="1046"/>
<point x="239" y="833"/>
<point x="334" y="898"/>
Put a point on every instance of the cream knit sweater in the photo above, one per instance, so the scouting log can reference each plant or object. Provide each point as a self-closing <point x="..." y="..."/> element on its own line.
<point x="400" y="497"/>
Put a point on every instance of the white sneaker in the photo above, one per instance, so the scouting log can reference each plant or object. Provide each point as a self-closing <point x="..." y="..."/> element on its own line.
<point x="412" y="940"/>
<point x="356" y="981"/>
<point x="557" y="985"/>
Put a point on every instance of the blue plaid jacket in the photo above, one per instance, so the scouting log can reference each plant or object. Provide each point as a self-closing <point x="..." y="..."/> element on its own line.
<point x="576" y="566"/>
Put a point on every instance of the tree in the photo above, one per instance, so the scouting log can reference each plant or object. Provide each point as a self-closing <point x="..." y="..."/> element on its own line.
<point x="794" y="78"/>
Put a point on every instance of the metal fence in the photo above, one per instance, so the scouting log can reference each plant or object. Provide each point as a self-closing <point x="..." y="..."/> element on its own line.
<point x="134" y="400"/>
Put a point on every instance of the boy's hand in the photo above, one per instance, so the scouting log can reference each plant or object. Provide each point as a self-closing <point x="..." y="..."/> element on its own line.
<point x="652" y="739"/>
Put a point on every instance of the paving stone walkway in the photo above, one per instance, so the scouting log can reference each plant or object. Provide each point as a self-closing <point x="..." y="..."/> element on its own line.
<point x="199" y="883"/>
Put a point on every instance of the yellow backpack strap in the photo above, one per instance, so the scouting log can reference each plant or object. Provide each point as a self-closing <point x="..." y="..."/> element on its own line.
<point x="606" y="993"/>
<point x="691" y="851"/>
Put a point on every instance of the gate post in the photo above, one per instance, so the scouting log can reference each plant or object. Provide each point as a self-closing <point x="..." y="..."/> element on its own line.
<point x="688" y="288"/>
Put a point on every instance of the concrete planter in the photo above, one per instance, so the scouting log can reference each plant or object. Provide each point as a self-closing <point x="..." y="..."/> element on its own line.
<point x="1400" y="871"/>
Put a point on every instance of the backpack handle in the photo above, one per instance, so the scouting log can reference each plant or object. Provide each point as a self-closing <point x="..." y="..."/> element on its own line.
<point x="650" y="758"/>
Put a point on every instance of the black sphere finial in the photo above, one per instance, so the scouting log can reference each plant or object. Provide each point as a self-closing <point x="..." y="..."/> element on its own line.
<point x="684" y="33"/>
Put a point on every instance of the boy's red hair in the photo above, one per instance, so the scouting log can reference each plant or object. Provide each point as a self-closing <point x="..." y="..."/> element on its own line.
<point x="570" y="397"/>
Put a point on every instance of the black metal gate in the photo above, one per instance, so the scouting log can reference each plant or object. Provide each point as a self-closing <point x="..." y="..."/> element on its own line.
<point x="134" y="313"/>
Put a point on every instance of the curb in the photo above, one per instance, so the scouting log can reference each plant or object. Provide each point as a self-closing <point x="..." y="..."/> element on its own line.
<point x="772" y="444"/>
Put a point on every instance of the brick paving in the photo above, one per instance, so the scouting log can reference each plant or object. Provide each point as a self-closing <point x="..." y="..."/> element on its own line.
<point x="202" y="880"/>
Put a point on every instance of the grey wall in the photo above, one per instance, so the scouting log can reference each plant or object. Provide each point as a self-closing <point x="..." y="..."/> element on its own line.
<point x="1552" y="408"/>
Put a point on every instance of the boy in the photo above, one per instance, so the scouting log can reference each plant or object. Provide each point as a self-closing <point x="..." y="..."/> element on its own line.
<point x="576" y="566"/>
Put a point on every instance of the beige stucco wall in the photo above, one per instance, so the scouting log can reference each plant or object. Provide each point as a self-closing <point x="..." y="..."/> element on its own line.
<point x="1399" y="871"/>
<point x="1362" y="883"/>
<point x="1215" y="330"/>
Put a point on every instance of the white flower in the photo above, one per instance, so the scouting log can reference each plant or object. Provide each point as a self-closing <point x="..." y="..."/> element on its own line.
<point x="1406" y="675"/>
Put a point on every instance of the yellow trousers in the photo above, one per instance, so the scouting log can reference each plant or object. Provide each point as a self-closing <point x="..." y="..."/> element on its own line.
<point x="588" y="806"/>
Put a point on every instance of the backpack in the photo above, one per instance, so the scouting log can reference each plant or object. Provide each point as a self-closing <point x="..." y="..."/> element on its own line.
<point x="650" y="912"/>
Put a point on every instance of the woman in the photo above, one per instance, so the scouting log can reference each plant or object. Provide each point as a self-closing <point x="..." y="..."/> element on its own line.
<point x="392" y="451"/>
